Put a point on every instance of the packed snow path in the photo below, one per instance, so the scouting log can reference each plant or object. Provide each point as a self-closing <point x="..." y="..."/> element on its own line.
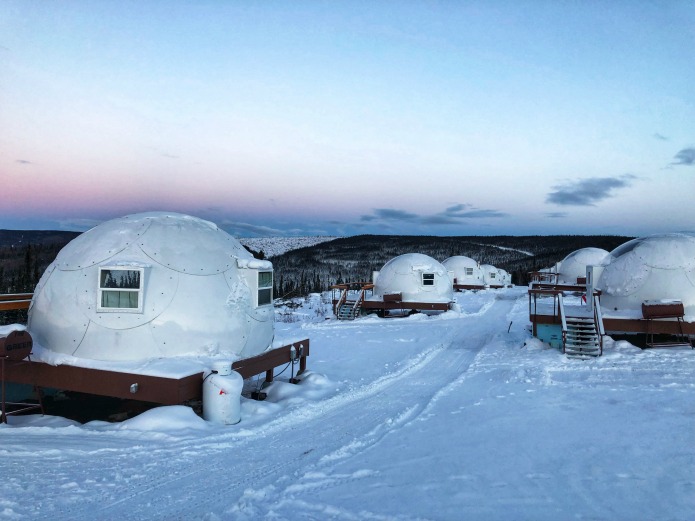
<point x="446" y="417"/>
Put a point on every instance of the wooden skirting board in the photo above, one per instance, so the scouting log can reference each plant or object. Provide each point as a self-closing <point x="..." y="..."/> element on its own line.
<point x="156" y="389"/>
<point x="629" y="325"/>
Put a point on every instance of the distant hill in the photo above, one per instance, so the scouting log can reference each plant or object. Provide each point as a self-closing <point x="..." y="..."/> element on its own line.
<point x="273" y="246"/>
<point x="353" y="259"/>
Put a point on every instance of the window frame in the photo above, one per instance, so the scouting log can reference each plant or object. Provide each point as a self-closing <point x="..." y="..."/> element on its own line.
<point x="139" y="291"/>
<point x="265" y="288"/>
<point x="428" y="279"/>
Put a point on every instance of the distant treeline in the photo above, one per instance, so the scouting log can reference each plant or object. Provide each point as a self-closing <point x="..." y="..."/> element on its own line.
<point x="354" y="259"/>
<point x="21" y="267"/>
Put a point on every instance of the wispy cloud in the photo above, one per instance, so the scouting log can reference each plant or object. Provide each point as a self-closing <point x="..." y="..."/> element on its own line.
<point x="660" y="137"/>
<point x="455" y="214"/>
<point x="389" y="214"/>
<point x="242" y="229"/>
<point x="78" y="224"/>
<point x="24" y="162"/>
<point x="588" y="192"/>
<point x="556" y="215"/>
<point x="685" y="156"/>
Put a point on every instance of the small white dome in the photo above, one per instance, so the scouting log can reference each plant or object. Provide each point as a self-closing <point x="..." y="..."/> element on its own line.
<point x="658" y="267"/>
<point x="466" y="271"/>
<point x="154" y="285"/>
<point x="491" y="275"/>
<point x="417" y="277"/>
<point x="574" y="265"/>
<point x="505" y="276"/>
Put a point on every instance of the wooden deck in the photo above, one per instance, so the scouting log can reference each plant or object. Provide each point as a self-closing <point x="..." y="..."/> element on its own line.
<point x="146" y="388"/>
<point x="547" y="313"/>
<point x="388" y="305"/>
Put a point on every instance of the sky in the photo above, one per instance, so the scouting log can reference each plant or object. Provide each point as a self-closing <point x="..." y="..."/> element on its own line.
<point x="343" y="118"/>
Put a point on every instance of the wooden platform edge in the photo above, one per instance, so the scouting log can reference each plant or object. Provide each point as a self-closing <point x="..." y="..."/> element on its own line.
<point x="155" y="389"/>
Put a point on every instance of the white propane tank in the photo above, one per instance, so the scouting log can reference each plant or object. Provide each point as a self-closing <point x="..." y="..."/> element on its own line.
<point x="222" y="394"/>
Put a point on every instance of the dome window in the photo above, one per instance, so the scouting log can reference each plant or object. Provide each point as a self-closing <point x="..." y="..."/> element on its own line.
<point x="428" y="279"/>
<point x="265" y="288"/>
<point x="120" y="289"/>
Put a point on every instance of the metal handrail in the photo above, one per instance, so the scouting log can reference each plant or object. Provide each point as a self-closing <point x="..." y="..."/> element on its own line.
<point x="598" y="320"/>
<point x="561" y="306"/>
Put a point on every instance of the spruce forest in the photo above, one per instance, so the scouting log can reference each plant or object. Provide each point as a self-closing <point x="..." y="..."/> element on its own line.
<point x="25" y="255"/>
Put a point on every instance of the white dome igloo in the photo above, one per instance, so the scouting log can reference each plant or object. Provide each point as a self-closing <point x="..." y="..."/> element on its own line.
<point x="505" y="276"/>
<point x="658" y="267"/>
<point x="154" y="285"/>
<point x="466" y="271"/>
<point x="417" y="277"/>
<point x="491" y="275"/>
<point x="574" y="265"/>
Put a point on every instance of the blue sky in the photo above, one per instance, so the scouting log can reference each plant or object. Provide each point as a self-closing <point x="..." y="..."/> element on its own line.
<point x="340" y="118"/>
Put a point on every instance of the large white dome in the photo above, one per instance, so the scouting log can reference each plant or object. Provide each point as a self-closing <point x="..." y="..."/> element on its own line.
<point x="658" y="267"/>
<point x="574" y="265"/>
<point x="154" y="285"/>
<point x="466" y="271"/>
<point x="417" y="277"/>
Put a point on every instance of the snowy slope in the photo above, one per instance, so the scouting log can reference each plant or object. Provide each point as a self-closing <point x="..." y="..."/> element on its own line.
<point x="272" y="246"/>
<point x="449" y="417"/>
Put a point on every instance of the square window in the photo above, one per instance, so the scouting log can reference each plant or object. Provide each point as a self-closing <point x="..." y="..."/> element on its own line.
<point x="265" y="288"/>
<point x="428" y="279"/>
<point x="469" y="272"/>
<point x="120" y="290"/>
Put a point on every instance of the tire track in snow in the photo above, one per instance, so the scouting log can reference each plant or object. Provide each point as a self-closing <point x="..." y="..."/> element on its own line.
<point x="314" y="437"/>
<point x="127" y="493"/>
<point x="314" y="480"/>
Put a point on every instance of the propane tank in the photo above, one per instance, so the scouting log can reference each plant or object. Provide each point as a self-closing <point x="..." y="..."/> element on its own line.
<point x="222" y="394"/>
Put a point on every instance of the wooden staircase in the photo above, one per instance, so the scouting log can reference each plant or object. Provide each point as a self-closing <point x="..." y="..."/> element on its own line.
<point x="581" y="339"/>
<point x="349" y="305"/>
<point x="349" y="310"/>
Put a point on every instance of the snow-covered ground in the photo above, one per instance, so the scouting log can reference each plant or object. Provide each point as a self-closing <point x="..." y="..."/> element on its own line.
<point x="449" y="417"/>
<point x="273" y="246"/>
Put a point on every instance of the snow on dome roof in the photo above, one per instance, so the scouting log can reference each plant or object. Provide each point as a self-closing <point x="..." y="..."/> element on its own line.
<point x="460" y="261"/>
<point x="153" y="285"/>
<point x="409" y="275"/>
<point x="574" y="265"/>
<point x="650" y="268"/>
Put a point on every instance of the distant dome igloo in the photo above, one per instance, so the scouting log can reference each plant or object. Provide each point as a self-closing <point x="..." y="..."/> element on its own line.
<point x="466" y="271"/>
<point x="154" y="285"/>
<point x="658" y="267"/>
<point x="574" y="265"/>
<point x="417" y="277"/>
<point x="491" y="275"/>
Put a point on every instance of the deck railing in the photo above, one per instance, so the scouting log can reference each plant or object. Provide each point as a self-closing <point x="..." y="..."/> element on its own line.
<point x="15" y="301"/>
